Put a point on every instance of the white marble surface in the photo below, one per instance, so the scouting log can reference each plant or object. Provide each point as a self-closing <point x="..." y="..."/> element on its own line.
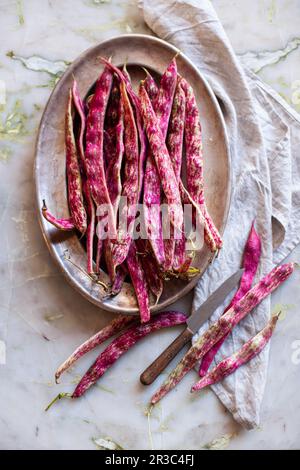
<point x="42" y="319"/>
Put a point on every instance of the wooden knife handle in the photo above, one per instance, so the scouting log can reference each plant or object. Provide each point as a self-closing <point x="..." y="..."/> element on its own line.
<point x="161" y="362"/>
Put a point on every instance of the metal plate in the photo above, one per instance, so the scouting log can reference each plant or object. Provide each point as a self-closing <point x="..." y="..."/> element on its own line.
<point x="155" y="54"/>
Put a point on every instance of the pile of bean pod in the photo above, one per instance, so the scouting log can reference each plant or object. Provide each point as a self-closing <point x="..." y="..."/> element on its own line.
<point x="129" y="332"/>
<point x="131" y="145"/>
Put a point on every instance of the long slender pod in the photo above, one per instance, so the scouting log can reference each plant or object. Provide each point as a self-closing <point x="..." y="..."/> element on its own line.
<point x="115" y="127"/>
<point x="90" y="207"/>
<point x="99" y="249"/>
<point x="162" y="106"/>
<point x="121" y="344"/>
<point x="175" y="248"/>
<point x="139" y="282"/>
<point x="151" y="86"/>
<point x="247" y="352"/>
<point x="90" y="233"/>
<point x="124" y="77"/>
<point x="194" y="160"/>
<point x="121" y="273"/>
<point x="152" y="187"/>
<point x="250" y="264"/>
<point x="150" y="267"/>
<point x="94" y="147"/>
<point x="78" y="217"/>
<point x="74" y="183"/>
<point x="130" y="188"/>
<point x="152" y="214"/>
<point x="115" y="326"/>
<point x="61" y="224"/>
<point x="225" y="324"/>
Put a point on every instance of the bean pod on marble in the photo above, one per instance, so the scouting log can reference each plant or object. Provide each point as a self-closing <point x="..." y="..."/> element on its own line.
<point x="224" y="325"/>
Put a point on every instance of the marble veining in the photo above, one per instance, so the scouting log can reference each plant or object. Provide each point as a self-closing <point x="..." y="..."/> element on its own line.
<point x="42" y="319"/>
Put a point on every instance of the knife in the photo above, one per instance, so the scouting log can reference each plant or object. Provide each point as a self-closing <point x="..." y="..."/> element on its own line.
<point x="194" y="322"/>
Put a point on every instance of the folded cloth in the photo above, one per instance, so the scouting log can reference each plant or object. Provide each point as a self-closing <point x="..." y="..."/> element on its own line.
<point x="264" y="140"/>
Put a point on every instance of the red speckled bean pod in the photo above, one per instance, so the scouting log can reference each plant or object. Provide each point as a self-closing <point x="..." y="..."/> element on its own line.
<point x="139" y="282"/>
<point x="75" y="197"/>
<point x="126" y="73"/>
<point x="151" y="86"/>
<point x="225" y="324"/>
<point x="61" y="224"/>
<point x="249" y="350"/>
<point x="68" y="224"/>
<point x="179" y="256"/>
<point x="176" y="131"/>
<point x="130" y="181"/>
<point x="115" y="128"/>
<point x="251" y="260"/>
<point x="150" y="267"/>
<point x="90" y="208"/>
<point x="80" y="110"/>
<point x="194" y="159"/>
<point x="94" y="146"/>
<point x="162" y="106"/>
<point x="162" y="158"/>
<point x="121" y="344"/>
<point x="175" y="249"/>
<point x="90" y="233"/>
<point x="115" y="326"/>
<point x="114" y="149"/>
<point x="99" y="251"/>
<point x="121" y="273"/>
<point x="124" y="77"/>
<point x="198" y="216"/>
<point x="152" y="215"/>
<point x="150" y="180"/>
<point x="143" y="148"/>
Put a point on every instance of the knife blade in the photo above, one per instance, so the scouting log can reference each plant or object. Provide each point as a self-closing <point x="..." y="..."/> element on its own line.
<point x="193" y="324"/>
<point x="204" y="312"/>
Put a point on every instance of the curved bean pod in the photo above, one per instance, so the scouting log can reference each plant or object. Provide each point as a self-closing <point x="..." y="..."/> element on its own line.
<point x="74" y="183"/>
<point x="139" y="282"/>
<point x="150" y="268"/>
<point x="115" y="326"/>
<point x="90" y="233"/>
<point x="130" y="182"/>
<point x="175" y="249"/>
<point x="90" y="208"/>
<point x="224" y="325"/>
<point x="94" y="146"/>
<point x="250" y="264"/>
<point x="152" y="215"/>
<point x="151" y="86"/>
<point x="124" y="77"/>
<point x="121" y="273"/>
<point x="61" y="224"/>
<point x="115" y="128"/>
<point x="247" y="352"/>
<point x="162" y="158"/>
<point x="162" y="106"/>
<point x="194" y="158"/>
